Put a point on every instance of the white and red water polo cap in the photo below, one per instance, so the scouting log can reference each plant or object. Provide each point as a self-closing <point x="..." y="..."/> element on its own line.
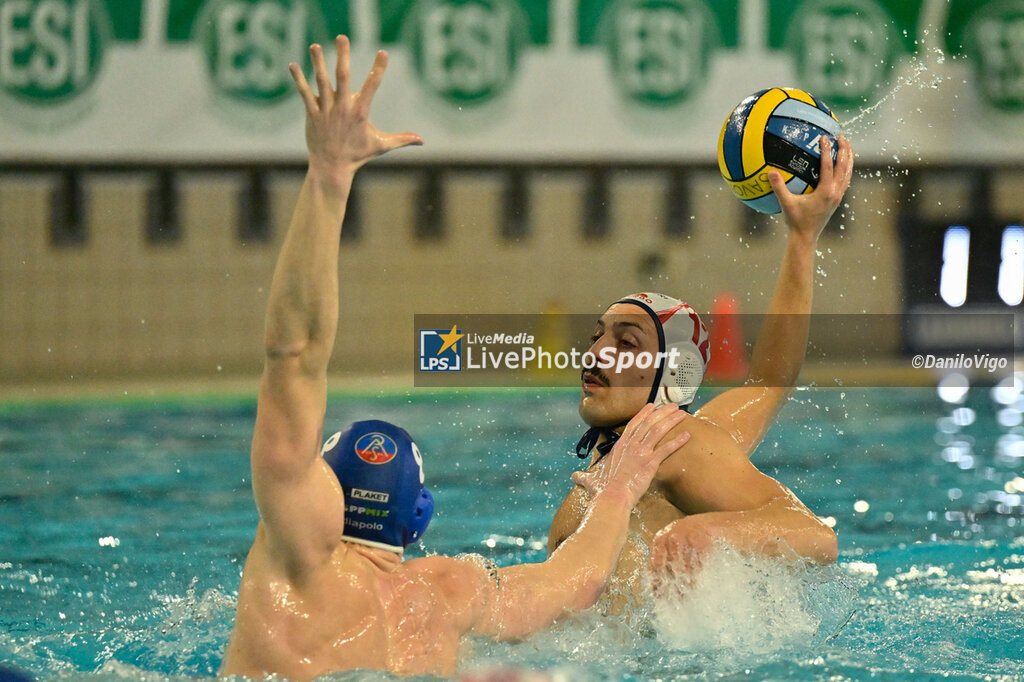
<point x="679" y="327"/>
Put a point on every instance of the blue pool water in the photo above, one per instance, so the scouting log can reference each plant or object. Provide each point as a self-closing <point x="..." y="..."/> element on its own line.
<point x="123" y="527"/>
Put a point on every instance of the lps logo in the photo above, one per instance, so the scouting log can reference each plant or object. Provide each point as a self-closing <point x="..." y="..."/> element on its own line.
<point x="376" y="448"/>
<point x="441" y="350"/>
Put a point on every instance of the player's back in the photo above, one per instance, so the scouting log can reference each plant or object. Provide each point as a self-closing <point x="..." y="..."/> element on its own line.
<point x="363" y="609"/>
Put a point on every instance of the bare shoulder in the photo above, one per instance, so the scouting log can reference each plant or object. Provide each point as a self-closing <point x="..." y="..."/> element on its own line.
<point x="456" y="576"/>
<point x="745" y="412"/>
<point x="466" y="583"/>
<point x="707" y="471"/>
<point x="707" y="439"/>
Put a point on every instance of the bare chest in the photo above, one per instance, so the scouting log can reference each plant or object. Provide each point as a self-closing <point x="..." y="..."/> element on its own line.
<point x="651" y="514"/>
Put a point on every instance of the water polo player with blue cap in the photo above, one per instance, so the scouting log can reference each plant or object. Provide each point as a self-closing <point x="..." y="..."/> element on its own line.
<point x="381" y="474"/>
<point x="326" y="587"/>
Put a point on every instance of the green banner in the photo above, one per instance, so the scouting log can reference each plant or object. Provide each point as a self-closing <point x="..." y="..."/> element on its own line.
<point x="592" y="13"/>
<point x="465" y="51"/>
<point x="182" y="15"/>
<point x="394" y="14"/>
<point x="53" y="50"/>
<point x="659" y="51"/>
<point x="248" y="44"/>
<point x="844" y="50"/>
<point x="991" y="35"/>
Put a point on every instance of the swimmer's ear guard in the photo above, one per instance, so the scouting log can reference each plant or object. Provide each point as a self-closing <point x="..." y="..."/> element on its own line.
<point x="381" y="474"/>
<point x="680" y="329"/>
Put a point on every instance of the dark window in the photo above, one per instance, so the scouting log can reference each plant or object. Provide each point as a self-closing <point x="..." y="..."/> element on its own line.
<point x="67" y="211"/>
<point x="429" y="206"/>
<point x="596" y="224"/>
<point x="515" y="213"/>
<point x="678" y="222"/>
<point x="254" y="209"/>
<point x="163" y="224"/>
<point x="351" y="225"/>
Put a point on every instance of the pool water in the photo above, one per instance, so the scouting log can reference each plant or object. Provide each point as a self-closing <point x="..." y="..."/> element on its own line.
<point x="124" y="525"/>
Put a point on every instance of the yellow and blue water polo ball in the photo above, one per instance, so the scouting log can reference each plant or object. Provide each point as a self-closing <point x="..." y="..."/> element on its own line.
<point x="777" y="128"/>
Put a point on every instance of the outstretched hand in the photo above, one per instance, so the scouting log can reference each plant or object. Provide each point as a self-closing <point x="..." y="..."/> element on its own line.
<point x="638" y="453"/>
<point x="807" y="214"/>
<point x="339" y="133"/>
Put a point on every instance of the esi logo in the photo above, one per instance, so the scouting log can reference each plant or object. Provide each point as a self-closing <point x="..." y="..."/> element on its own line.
<point x="441" y="350"/>
<point x="249" y="43"/>
<point x="52" y="50"/>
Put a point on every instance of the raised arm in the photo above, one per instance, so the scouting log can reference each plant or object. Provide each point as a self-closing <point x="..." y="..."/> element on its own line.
<point x="712" y="479"/>
<point x="299" y="499"/>
<point x="527" y="598"/>
<point x="746" y="412"/>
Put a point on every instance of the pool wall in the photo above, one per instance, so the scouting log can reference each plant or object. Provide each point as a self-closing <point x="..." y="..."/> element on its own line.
<point x="120" y="304"/>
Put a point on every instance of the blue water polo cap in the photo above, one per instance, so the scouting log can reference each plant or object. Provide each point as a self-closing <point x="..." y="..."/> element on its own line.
<point x="381" y="473"/>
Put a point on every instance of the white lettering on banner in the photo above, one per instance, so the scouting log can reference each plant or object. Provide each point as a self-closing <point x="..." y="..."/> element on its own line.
<point x="659" y="50"/>
<point x="845" y="55"/>
<point x="11" y="41"/>
<point x="465" y="48"/>
<point x="255" y="43"/>
<point x="1000" y="46"/>
<point x="57" y="36"/>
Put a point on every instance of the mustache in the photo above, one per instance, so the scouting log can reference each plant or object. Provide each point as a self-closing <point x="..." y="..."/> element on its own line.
<point x="596" y="373"/>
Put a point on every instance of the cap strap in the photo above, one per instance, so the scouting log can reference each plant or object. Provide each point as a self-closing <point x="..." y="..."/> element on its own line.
<point x="589" y="440"/>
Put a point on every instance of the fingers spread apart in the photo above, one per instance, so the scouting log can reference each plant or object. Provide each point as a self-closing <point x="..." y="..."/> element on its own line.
<point x="303" y="87"/>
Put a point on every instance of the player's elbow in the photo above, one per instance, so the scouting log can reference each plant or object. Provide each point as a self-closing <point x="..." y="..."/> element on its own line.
<point x="830" y="547"/>
<point x="278" y="347"/>
<point x="589" y="589"/>
<point x="824" y="546"/>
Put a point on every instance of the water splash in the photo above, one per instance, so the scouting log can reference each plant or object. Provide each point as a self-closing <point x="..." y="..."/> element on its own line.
<point x="740" y="608"/>
<point x="185" y="634"/>
<point x="739" y="612"/>
<point x="922" y="74"/>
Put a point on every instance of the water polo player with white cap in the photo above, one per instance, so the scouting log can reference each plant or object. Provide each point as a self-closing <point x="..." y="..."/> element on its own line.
<point x="683" y="349"/>
<point x="708" y="490"/>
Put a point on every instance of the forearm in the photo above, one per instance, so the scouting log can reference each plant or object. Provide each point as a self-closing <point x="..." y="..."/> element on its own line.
<point x="302" y="311"/>
<point x="782" y="341"/>
<point x="781" y="528"/>
<point x="533" y="596"/>
<point x="595" y="545"/>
